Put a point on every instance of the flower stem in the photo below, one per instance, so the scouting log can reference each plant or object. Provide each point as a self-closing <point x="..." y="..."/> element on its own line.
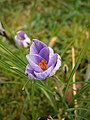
<point x="32" y="99"/>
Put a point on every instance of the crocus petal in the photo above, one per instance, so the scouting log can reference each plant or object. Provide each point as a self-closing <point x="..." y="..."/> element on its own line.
<point x="58" y="64"/>
<point x="21" y="34"/>
<point x="30" y="72"/>
<point x="34" y="60"/>
<point x="25" y="45"/>
<point x="43" y="75"/>
<point x="51" y="52"/>
<point x="27" y="39"/>
<point x="44" y="53"/>
<point x="52" y="60"/>
<point x="18" y="41"/>
<point x="36" y="46"/>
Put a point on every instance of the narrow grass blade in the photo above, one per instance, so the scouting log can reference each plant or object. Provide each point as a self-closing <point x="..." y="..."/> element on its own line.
<point x="82" y="53"/>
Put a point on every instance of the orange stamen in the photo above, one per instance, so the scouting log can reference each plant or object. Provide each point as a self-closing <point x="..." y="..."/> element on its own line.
<point x="43" y="65"/>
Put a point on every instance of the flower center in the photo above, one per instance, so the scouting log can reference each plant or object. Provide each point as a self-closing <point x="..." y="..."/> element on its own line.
<point x="43" y="65"/>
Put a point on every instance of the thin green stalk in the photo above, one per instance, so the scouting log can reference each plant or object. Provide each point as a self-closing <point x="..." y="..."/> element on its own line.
<point x="23" y="107"/>
<point x="32" y="99"/>
<point x="82" y="53"/>
<point x="25" y="84"/>
<point x="72" y="109"/>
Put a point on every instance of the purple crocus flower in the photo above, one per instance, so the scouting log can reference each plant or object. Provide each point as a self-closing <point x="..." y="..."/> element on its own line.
<point x="43" y="62"/>
<point x="22" y="39"/>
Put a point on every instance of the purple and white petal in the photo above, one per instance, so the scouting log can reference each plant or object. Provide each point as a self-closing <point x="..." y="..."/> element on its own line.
<point x="58" y="64"/>
<point x="30" y="72"/>
<point x="51" y="52"/>
<point x="21" y="35"/>
<point x="53" y="60"/>
<point x="44" y="53"/>
<point x="34" y="60"/>
<point x="27" y="39"/>
<point x="36" y="46"/>
<point x="25" y="45"/>
<point x="43" y="75"/>
<point x="18" y="41"/>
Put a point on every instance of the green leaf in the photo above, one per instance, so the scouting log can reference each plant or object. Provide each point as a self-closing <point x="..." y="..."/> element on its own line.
<point x="82" y="53"/>
<point x="46" y="90"/>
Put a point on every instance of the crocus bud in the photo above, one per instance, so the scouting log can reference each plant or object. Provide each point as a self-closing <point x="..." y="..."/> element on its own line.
<point x="65" y="68"/>
<point x="22" y="39"/>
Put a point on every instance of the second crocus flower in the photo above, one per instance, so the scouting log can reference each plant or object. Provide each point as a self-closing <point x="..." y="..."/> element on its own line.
<point x="22" y="39"/>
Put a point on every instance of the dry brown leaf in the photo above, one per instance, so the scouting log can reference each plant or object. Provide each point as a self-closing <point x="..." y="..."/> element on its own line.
<point x="70" y="92"/>
<point x="53" y="41"/>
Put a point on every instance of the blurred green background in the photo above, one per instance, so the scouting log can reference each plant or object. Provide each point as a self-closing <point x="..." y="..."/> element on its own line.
<point x="69" y="21"/>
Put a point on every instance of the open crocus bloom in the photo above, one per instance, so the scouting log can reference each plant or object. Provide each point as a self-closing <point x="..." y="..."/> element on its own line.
<point x="22" y="39"/>
<point x="43" y="62"/>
